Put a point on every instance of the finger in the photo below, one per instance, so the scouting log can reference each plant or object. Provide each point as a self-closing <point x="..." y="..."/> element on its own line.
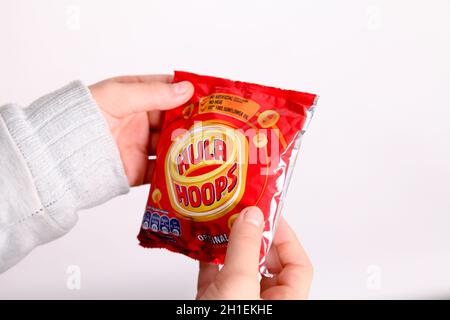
<point x="297" y="270"/>
<point x="143" y="78"/>
<point x="285" y="239"/>
<point x="139" y="97"/>
<point x="154" y="139"/>
<point x="206" y="275"/>
<point x="155" y="119"/>
<point x="244" y="247"/>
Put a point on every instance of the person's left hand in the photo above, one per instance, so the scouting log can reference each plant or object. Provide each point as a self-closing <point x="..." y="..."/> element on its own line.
<point x="133" y="107"/>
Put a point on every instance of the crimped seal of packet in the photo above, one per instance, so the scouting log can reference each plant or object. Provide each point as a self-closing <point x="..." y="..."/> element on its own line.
<point x="233" y="145"/>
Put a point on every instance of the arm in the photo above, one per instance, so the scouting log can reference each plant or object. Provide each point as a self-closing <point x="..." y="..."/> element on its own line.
<point x="57" y="156"/>
<point x="74" y="149"/>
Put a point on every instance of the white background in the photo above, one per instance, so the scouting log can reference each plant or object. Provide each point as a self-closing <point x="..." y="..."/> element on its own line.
<point x="370" y="194"/>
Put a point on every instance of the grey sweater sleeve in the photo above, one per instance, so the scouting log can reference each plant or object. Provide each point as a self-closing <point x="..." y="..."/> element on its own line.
<point x="57" y="156"/>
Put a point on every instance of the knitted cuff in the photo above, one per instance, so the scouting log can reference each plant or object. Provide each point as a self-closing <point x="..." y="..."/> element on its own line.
<point x="69" y="150"/>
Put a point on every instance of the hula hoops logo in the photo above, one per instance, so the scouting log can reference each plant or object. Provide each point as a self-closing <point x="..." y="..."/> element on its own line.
<point x="206" y="170"/>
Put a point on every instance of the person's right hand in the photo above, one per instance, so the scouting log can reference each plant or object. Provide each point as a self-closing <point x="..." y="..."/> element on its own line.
<point x="239" y="277"/>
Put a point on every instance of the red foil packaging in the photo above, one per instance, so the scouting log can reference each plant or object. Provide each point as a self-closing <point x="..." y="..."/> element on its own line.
<point x="233" y="145"/>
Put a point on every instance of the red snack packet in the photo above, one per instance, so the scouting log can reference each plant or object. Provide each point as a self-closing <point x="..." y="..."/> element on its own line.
<point x="233" y="145"/>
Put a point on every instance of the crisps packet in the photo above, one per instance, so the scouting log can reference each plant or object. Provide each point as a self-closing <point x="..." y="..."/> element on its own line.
<point x="233" y="145"/>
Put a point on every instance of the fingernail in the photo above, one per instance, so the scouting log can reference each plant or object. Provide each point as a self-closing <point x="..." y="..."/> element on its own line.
<point x="254" y="216"/>
<point x="181" y="87"/>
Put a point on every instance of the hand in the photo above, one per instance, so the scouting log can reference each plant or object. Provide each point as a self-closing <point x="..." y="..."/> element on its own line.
<point x="133" y="107"/>
<point x="239" y="277"/>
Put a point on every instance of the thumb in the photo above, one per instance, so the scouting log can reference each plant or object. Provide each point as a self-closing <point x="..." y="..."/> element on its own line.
<point x="245" y="243"/>
<point x="147" y="96"/>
